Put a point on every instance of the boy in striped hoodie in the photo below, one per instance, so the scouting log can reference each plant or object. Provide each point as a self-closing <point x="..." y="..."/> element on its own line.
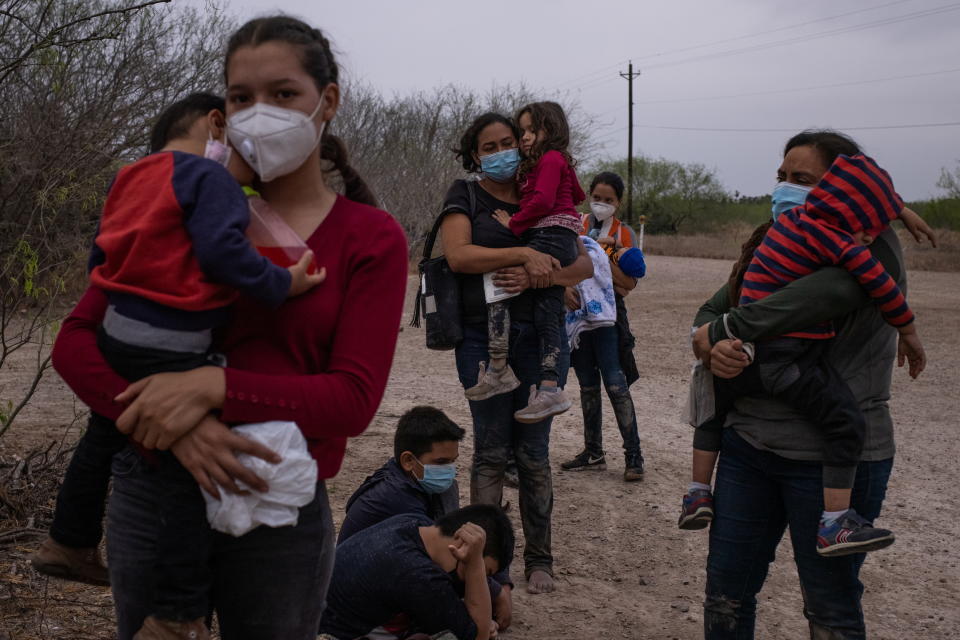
<point x="853" y="203"/>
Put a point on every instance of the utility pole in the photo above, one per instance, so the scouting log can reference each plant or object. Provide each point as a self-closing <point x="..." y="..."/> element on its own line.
<point x="630" y="75"/>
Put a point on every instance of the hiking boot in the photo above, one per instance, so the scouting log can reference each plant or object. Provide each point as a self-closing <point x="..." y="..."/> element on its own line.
<point x="155" y="628"/>
<point x="851" y="533"/>
<point x="541" y="405"/>
<point x="492" y="382"/>
<point x="60" y="561"/>
<point x="585" y="460"/>
<point x="697" y="510"/>
<point x="633" y="468"/>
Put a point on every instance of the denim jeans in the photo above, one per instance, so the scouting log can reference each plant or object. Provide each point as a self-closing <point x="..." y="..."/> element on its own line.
<point x="758" y="495"/>
<point x="78" y="516"/>
<point x="598" y="357"/>
<point x="496" y="434"/>
<point x="269" y="583"/>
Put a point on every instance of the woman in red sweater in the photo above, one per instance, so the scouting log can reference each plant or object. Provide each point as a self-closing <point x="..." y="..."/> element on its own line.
<point x="321" y="360"/>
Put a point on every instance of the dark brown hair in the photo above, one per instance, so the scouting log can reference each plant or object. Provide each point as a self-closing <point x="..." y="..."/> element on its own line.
<point x="829" y="144"/>
<point x="318" y="61"/>
<point x="549" y="118"/>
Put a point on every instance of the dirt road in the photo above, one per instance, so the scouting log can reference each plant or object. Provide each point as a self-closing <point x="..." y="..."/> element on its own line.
<point x="623" y="568"/>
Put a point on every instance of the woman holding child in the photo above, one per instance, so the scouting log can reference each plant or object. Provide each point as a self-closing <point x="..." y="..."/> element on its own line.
<point x="769" y="475"/>
<point x="320" y="360"/>
<point x="476" y="242"/>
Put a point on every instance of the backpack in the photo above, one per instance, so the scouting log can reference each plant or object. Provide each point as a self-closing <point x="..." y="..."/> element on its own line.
<point x="438" y="297"/>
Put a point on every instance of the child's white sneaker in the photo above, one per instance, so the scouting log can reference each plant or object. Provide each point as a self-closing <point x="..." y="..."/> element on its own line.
<point x="492" y="382"/>
<point x="542" y="404"/>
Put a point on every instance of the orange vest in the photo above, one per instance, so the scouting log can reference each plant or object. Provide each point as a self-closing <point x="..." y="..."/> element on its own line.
<point x="618" y="231"/>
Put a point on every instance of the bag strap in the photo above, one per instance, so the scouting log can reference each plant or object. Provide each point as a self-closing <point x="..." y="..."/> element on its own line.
<point x="432" y="236"/>
<point x="431" y="239"/>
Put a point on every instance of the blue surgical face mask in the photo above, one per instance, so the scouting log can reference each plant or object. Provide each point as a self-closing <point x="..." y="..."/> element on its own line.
<point x="437" y="478"/>
<point x="500" y="166"/>
<point x="786" y="196"/>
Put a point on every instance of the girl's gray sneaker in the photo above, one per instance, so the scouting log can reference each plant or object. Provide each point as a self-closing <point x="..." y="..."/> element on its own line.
<point x="492" y="382"/>
<point x="542" y="404"/>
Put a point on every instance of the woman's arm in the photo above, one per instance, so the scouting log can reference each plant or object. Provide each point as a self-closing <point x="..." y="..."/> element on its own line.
<point x="465" y="257"/>
<point x="823" y="295"/>
<point x="79" y="362"/>
<point x="517" y="280"/>
<point x="622" y="283"/>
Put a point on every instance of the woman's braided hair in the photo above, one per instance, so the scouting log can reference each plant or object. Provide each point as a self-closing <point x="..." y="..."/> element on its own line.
<point x="829" y="144"/>
<point x="318" y="61"/>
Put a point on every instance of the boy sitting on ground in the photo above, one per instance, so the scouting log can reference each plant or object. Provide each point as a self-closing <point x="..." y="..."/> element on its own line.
<point x="410" y="567"/>
<point x="420" y="480"/>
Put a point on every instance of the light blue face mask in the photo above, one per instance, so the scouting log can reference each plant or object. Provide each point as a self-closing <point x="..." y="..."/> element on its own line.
<point x="786" y="196"/>
<point x="437" y="478"/>
<point x="500" y="166"/>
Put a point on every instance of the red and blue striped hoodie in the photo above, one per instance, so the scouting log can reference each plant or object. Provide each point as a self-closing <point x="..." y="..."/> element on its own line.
<point x="854" y="195"/>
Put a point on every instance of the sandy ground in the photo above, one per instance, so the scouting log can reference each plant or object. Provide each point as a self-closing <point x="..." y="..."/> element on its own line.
<point x="623" y="568"/>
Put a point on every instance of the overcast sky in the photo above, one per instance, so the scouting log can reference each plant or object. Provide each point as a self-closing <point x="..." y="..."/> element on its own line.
<point x="698" y="61"/>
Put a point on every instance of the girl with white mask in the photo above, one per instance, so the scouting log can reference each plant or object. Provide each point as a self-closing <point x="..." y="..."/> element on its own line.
<point x="606" y="353"/>
<point x="320" y="360"/>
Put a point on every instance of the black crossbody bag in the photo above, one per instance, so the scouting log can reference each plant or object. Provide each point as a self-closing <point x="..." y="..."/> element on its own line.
<point x="438" y="296"/>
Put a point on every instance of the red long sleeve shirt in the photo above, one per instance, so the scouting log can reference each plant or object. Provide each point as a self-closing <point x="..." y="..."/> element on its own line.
<point x="550" y="189"/>
<point x="321" y="359"/>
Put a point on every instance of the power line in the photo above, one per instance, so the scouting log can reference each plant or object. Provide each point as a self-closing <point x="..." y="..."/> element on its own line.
<point x="835" y="85"/>
<point x="923" y="125"/>
<point x="825" y="34"/>
<point x="787" y="41"/>
<point x="606" y="68"/>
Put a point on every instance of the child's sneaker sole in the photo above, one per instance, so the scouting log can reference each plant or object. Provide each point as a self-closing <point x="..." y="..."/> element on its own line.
<point x="699" y="519"/>
<point x="849" y="548"/>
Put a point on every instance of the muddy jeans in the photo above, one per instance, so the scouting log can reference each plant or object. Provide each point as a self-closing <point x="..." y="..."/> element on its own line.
<point x="269" y="583"/>
<point x="496" y="434"/>
<point x="758" y="495"/>
<point x="598" y="357"/>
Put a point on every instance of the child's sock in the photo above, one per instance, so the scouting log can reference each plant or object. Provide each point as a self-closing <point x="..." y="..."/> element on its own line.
<point x="697" y="486"/>
<point x="549" y="389"/>
<point x="829" y="517"/>
<point x="497" y="365"/>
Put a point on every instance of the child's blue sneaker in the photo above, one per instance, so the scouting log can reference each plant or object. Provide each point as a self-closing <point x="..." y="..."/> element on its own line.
<point x="697" y="510"/>
<point x="850" y="533"/>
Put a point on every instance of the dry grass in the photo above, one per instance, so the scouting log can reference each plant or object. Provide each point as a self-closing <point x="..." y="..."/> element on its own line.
<point x="725" y="245"/>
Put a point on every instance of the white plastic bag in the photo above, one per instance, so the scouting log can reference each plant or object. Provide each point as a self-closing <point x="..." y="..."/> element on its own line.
<point x="292" y="482"/>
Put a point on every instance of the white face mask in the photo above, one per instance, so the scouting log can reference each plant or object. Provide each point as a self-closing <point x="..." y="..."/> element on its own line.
<point x="601" y="210"/>
<point x="274" y="141"/>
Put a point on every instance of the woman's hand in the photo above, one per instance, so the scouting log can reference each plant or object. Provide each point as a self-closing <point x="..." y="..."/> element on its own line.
<point x="164" y="407"/>
<point x="571" y="297"/>
<point x="701" y="344"/>
<point x="917" y="226"/>
<point x="540" y="267"/>
<point x="727" y="358"/>
<point x="512" y="279"/>
<point x="209" y="452"/>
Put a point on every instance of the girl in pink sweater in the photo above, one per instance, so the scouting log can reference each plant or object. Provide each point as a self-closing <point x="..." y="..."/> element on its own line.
<point x="548" y="222"/>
